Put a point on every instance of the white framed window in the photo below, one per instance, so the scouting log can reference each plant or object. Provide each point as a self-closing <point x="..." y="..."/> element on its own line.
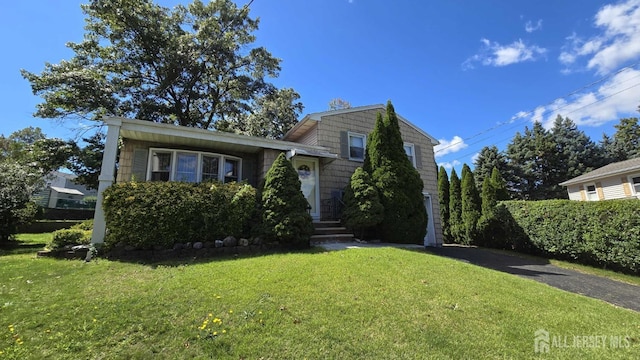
<point x="357" y="143"/>
<point x="410" y="150"/>
<point x="592" y="192"/>
<point x="634" y="181"/>
<point x="192" y="166"/>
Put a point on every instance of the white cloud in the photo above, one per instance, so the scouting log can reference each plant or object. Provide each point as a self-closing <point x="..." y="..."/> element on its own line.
<point x="614" y="99"/>
<point x="449" y="165"/>
<point x="618" y="42"/>
<point x="449" y="146"/>
<point x="530" y="27"/>
<point x="495" y="54"/>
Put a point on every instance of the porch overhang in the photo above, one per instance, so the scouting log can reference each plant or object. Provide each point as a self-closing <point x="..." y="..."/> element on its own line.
<point x="206" y="139"/>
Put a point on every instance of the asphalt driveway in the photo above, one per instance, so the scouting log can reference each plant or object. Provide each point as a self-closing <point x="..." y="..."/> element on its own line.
<point x="614" y="292"/>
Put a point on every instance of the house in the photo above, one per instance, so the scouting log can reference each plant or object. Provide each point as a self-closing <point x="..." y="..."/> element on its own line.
<point x="620" y="180"/>
<point x="325" y="148"/>
<point x="62" y="192"/>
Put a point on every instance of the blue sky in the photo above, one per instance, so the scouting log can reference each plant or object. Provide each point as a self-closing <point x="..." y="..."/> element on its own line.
<point x="455" y="68"/>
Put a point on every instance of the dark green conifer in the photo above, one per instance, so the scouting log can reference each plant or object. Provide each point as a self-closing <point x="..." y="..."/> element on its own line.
<point x="284" y="207"/>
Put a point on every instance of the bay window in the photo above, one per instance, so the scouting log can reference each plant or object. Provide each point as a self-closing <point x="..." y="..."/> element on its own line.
<point x="192" y="166"/>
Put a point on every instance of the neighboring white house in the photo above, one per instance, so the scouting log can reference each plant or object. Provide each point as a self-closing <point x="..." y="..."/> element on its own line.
<point x="62" y="192"/>
<point x="620" y="180"/>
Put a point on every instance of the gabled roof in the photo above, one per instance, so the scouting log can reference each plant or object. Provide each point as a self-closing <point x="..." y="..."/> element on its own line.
<point x="67" y="190"/>
<point x="617" y="168"/>
<point x="309" y="120"/>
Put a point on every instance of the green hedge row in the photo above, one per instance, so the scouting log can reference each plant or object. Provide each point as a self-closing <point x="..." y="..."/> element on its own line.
<point x="604" y="233"/>
<point x="79" y="234"/>
<point x="148" y="214"/>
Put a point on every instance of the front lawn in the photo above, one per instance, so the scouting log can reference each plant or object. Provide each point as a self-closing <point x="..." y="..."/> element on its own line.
<point x="351" y="304"/>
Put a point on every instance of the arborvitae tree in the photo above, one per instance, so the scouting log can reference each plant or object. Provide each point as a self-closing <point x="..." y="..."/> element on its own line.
<point x="398" y="182"/>
<point x="470" y="205"/>
<point x="488" y="158"/>
<point x="489" y="230"/>
<point x="626" y="140"/>
<point x="284" y="207"/>
<point x="363" y="208"/>
<point x="456" y="227"/>
<point x="443" y="198"/>
<point x="575" y="154"/>
<point x="500" y="187"/>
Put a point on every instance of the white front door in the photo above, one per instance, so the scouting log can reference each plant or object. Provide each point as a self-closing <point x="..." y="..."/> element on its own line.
<point x="307" y="169"/>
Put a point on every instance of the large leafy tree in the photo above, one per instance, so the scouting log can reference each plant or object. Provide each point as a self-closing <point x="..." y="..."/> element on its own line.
<point x="443" y="198"/>
<point x="15" y="191"/>
<point x="86" y="162"/>
<point x="398" y="182"/>
<point x="193" y="65"/>
<point x="31" y="149"/>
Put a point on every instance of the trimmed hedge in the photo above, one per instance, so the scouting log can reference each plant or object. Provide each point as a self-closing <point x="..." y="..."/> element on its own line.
<point x="79" y="234"/>
<point x="604" y="233"/>
<point x="159" y="214"/>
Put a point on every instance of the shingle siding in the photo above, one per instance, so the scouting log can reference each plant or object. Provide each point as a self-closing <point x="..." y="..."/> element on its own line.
<point x="336" y="175"/>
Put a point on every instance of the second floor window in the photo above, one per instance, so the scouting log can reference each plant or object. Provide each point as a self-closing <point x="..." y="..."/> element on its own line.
<point x="356" y="146"/>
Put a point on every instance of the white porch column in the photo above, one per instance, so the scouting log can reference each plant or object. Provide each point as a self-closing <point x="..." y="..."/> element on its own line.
<point x="107" y="176"/>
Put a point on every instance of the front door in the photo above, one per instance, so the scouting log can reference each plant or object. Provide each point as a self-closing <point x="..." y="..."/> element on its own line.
<point x="307" y="169"/>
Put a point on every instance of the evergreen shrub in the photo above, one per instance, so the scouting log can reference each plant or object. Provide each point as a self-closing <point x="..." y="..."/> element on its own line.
<point x="603" y="233"/>
<point x="285" y="217"/>
<point x="148" y="214"/>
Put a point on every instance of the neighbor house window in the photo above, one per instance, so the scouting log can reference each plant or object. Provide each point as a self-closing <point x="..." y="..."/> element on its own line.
<point x="356" y="146"/>
<point x="410" y="150"/>
<point x="192" y="166"/>
<point x="635" y="183"/>
<point x="592" y="193"/>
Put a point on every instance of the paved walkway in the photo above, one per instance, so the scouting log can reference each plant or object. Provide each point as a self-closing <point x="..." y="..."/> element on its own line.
<point x="614" y="292"/>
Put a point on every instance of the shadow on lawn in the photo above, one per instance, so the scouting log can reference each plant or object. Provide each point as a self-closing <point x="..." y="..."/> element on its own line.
<point x="172" y="258"/>
<point x="14" y="247"/>
<point x="510" y="263"/>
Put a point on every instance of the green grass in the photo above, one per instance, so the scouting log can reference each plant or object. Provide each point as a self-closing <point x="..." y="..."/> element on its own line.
<point x="26" y="243"/>
<point x="362" y="303"/>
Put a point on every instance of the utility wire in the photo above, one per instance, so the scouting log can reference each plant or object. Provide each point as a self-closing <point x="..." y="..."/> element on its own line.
<point x="549" y="111"/>
<point x="524" y="115"/>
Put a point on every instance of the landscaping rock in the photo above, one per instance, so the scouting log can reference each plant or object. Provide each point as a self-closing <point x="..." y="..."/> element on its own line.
<point x="256" y="241"/>
<point x="198" y="245"/>
<point x="187" y="245"/>
<point x="219" y="243"/>
<point x="243" y="242"/>
<point x="230" y="241"/>
<point x="178" y="246"/>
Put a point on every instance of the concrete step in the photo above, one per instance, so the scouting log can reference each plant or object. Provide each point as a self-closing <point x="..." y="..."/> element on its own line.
<point x="326" y="223"/>
<point x="319" y="239"/>
<point x="331" y="230"/>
